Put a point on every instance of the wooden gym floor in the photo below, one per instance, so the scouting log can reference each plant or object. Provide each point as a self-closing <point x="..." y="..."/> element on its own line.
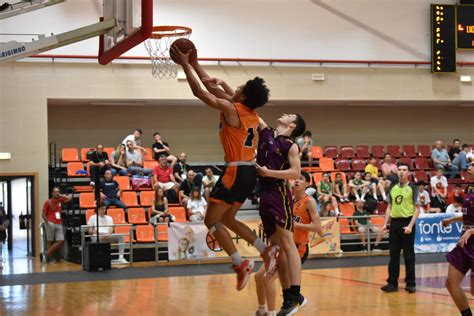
<point x="330" y="291"/>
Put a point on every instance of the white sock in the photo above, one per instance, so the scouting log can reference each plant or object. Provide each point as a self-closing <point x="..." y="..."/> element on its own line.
<point x="236" y="258"/>
<point x="384" y="196"/>
<point x="271" y="313"/>
<point x="260" y="245"/>
<point x="375" y="196"/>
<point x="363" y="197"/>
<point x="262" y="309"/>
<point x="358" y="197"/>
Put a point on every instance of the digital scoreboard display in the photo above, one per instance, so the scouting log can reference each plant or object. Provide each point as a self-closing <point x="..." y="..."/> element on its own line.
<point x="443" y="38"/>
<point x="465" y="26"/>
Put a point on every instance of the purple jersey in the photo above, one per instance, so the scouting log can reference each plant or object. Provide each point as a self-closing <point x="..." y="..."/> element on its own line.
<point x="468" y="209"/>
<point x="273" y="153"/>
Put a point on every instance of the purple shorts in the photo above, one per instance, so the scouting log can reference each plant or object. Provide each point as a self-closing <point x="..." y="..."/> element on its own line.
<point x="276" y="208"/>
<point x="462" y="258"/>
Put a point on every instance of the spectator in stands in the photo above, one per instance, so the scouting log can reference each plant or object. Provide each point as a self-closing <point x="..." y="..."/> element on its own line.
<point x="135" y="139"/>
<point x="362" y="223"/>
<point x="135" y="160"/>
<point x="208" y="182"/>
<point x="163" y="177"/>
<point x="196" y="206"/>
<point x="106" y="232"/>
<point x="423" y="198"/>
<point x="325" y="193"/>
<point x="181" y="168"/>
<point x="455" y="150"/>
<point x="119" y="160"/>
<point x="110" y="191"/>
<point x="52" y="210"/>
<point x="359" y="186"/>
<point x="163" y="148"/>
<point x="339" y="188"/>
<point x="439" y="190"/>
<point x="305" y="142"/>
<point x="160" y="212"/>
<point x="461" y="161"/>
<point x="457" y="192"/>
<point x="4" y="222"/>
<point x="440" y="158"/>
<point x="374" y="178"/>
<point x="389" y="172"/>
<point x="187" y="186"/>
<point x="99" y="162"/>
<point x="327" y="210"/>
<point x="456" y="206"/>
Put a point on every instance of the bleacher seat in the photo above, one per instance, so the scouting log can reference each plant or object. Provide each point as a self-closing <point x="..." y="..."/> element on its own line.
<point x="362" y="151"/>
<point x="343" y="165"/>
<point x="87" y="200"/>
<point x="394" y="151"/>
<point x="109" y="151"/>
<point x="349" y="175"/>
<point x="346" y="152"/>
<point x="377" y="151"/>
<point x="129" y="198"/>
<point x="382" y="207"/>
<point x="377" y="221"/>
<point x="406" y="160"/>
<point x="124" y="182"/>
<point x="145" y="233"/>
<point x="69" y="155"/>
<point x="179" y="213"/>
<point x="89" y="213"/>
<point x="137" y="216"/>
<point x="73" y="167"/>
<point x="409" y="151"/>
<point x="326" y="164"/>
<point x="148" y="154"/>
<point x="84" y="152"/>
<point x="126" y="231"/>
<point x="317" y="152"/>
<point x="117" y="214"/>
<point x="146" y="198"/>
<point x="420" y="175"/>
<point x="465" y="177"/>
<point x="150" y="164"/>
<point x="330" y="151"/>
<point x="162" y="232"/>
<point x="317" y="177"/>
<point x="358" y="164"/>
<point x="424" y="150"/>
<point x="345" y="226"/>
<point x="83" y="188"/>
<point x="347" y="209"/>
<point x="421" y="163"/>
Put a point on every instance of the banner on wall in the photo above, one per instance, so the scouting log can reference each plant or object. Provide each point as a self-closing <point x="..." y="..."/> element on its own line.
<point x="192" y="241"/>
<point x="431" y="236"/>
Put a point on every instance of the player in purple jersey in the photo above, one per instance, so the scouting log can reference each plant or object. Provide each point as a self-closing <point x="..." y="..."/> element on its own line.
<point x="278" y="161"/>
<point x="461" y="258"/>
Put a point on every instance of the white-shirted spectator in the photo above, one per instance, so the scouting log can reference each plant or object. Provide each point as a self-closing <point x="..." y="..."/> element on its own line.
<point x="439" y="190"/>
<point x="197" y="206"/>
<point x="208" y="182"/>
<point x="455" y="207"/>
<point x="135" y="139"/>
<point x="424" y="199"/>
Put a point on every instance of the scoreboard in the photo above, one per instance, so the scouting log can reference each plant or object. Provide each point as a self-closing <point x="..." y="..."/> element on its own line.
<point x="443" y="38"/>
<point x="465" y="26"/>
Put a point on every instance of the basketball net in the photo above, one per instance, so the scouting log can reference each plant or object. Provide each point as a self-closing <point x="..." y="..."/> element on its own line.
<point x="158" y="47"/>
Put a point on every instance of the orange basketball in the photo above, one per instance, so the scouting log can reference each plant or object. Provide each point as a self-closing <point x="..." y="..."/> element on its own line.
<point x="183" y="45"/>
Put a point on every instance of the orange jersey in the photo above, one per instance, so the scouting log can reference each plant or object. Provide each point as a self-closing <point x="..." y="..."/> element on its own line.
<point x="240" y="143"/>
<point x="301" y="215"/>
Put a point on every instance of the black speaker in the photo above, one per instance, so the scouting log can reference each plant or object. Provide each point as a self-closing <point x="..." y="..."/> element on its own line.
<point x="466" y="2"/>
<point x="96" y="256"/>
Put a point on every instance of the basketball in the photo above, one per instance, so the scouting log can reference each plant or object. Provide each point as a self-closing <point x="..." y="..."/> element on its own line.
<point x="183" y="45"/>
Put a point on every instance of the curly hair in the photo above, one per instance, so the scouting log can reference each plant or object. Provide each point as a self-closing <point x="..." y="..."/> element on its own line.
<point x="256" y="93"/>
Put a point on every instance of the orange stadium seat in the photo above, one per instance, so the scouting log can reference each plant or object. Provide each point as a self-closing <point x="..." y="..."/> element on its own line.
<point x="377" y="221"/>
<point x="179" y="213"/>
<point x="126" y="231"/>
<point x="394" y="151"/>
<point x="89" y="213"/>
<point x="146" y="198"/>
<point x="317" y="152"/>
<point x="73" y="167"/>
<point x="69" y="154"/>
<point x="378" y="150"/>
<point x="117" y="214"/>
<point x="317" y="177"/>
<point x="347" y="209"/>
<point x="109" y="151"/>
<point x="145" y="233"/>
<point x="124" y="182"/>
<point x="137" y="216"/>
<point x="326" y="164"/>
<point x="87" y="200"/>
<point x="424" y="150"/>
<point x="409" y="151"/>
<point x="129" y="198"/>
<point x="162" y="232"/>
<point x="84" y="152"/>
<point x="346" y="151"/>
<point x="150" y="164"/>
<point x="148" y="154"/>
<point x="345" y="226"/>
<point x="330" y="151"/>
<point x="362" y="151"/>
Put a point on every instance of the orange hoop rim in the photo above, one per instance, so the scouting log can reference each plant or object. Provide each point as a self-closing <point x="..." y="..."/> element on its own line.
<point x="158" y="32"/>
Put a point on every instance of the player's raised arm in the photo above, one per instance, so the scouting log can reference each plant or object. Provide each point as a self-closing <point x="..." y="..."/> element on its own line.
<point x="211" y="100"/>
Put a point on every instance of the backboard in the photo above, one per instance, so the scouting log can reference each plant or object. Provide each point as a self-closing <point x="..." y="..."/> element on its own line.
<point x="133" y="25"/>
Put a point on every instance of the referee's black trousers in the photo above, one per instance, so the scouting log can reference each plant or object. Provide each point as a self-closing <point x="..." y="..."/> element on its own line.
<point x="398" y="240"/>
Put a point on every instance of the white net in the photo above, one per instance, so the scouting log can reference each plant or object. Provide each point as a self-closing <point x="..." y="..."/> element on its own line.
<point x="158" y="46"/>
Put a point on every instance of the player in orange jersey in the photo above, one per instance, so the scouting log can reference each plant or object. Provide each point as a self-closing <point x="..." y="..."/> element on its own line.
<point x="306" y="219"/>
<point x="239" y="123"/>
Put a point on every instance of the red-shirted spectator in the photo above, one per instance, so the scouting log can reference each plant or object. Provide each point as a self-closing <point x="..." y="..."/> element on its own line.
<point x="52" y="210"/>
<point x="163" y="176"/>
<point x="457" y="192"/>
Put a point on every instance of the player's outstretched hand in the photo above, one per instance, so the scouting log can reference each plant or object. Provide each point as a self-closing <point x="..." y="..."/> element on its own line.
<point x="407" y="230"/>
<point x="182" y="59"/>
<point x="263" y="171"/>
<point x="464" y="238"/>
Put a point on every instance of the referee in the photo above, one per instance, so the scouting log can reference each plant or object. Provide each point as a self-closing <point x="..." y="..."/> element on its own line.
<point x="400" y="217"/>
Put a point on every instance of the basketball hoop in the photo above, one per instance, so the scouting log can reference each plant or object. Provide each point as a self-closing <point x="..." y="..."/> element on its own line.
<point x="158" y="46"/>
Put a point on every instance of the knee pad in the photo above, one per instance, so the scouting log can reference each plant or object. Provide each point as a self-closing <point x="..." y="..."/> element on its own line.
<point x="215" y="227"/>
